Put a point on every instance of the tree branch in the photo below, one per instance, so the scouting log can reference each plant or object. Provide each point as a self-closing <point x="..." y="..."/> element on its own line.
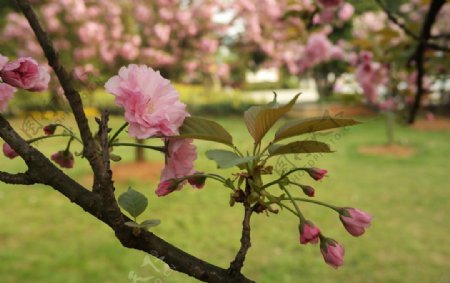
<point x="44" y="171"/>
<point x="419" y="54"/>
<point x="90" y="149"/>
<point x="396" y="20"/>
<point x="16" y="179"/>
<point x="238" y="262"/>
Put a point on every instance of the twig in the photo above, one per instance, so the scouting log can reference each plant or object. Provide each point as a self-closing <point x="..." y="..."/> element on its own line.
<point x="238" y="262"/>
<point x="396" y="20"/>
<point x="16" y="179"/>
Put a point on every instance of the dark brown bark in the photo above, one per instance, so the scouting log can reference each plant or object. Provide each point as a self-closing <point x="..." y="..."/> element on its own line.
<point x="419" y="55"/>
<point x="238" y="262"/>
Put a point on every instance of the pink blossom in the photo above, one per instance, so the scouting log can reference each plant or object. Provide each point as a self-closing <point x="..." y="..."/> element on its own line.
<point x="316" y="173"/>
<point x="6" y="93"/>
<point x="332" y="252"/>
<point x="162" y="32"/>
<point x="309" y="233"/>
<point x="388" y="105"/>
<point x="330" y="3"/>
<point x="3" y="61"/>
<point x="346" y="12"/>
<point x="180" y="163"/>
<point x="9" y="152"/>
<point x="63" y="158"/>
<point x="25" y="73"/>
<point x="151" y="103"/>
<point x="355" y="221"/>
<point x="318" y="48"/>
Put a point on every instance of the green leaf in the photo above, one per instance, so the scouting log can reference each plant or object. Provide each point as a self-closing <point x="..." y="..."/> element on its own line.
<point x="299" y="147"/>
<point x="226" y="158"/>
<point x="298" y="127"/>
<point x="114" y="157"/>
<point x="259" y="119"/>
<point x="150" y="223"/>
<point x="132" y="224"/>
<point x="133" y="202"/>
<point x="204" y="129"/>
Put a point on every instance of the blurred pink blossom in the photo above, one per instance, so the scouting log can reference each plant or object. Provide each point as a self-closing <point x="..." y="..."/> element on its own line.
<point x="25" y="73"/>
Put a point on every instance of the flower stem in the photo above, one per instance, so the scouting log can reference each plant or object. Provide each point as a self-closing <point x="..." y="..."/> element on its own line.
<point x="299" y="213"/>
<point x="335" y="208"/>
<point x="53" y="136"/>
<point x="114" y="136"/>
<point x="157" y="148"/>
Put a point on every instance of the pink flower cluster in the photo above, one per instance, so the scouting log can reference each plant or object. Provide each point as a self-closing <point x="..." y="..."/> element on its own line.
<point x="24" y="73"/>
<point x="180" y="163"/>
<point x="318" y="50"/>
<point x="152" y="108"/>
<point x="151" y="103"/>
<point x="370" y="76"/>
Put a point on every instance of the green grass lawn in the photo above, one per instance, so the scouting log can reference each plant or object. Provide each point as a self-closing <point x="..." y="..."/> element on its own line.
<point x="45" y="238"/>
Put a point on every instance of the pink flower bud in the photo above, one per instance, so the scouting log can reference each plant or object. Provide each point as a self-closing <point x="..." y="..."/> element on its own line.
<point x="63" y="158"/>
<point x="355" y="221"/>
<point x="166" y="187"/>
<point x="316" y="173"/>
<point x="308" y="190"/>
<point x="50" y="129"/>
<point x="332" y="252"/>
<point x="309" y="233"/>
<point x="197" y="181"/>
<point x="9" y="152"/>
<point x="25" y="73"/>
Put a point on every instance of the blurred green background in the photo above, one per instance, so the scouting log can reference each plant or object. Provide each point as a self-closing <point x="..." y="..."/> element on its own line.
<point x="45" y="238"/>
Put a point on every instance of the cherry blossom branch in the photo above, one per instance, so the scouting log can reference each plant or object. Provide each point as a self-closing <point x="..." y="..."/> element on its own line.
<point x="41" y="170"/>
<point x="100" y="202"/>
<point x="90" y="149"/>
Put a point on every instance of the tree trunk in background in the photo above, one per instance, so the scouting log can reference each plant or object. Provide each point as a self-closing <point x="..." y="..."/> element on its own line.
<point x="140" y="153"/>
<point x="56" y="102"/>
<point x="324" y="86"/>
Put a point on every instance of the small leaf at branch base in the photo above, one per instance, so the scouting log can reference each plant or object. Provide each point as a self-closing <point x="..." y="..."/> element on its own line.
<point x="259" y="119"/>
<point x="204" y="129"/>
<point x="227" y="159"/>
<point x="299" y="147"/>
<point x="133" y="202"/>
<point x="303" y="126"/>
<point x="147" y="224"/>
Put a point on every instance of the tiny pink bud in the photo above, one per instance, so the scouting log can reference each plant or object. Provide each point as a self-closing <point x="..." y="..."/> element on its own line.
<point x="316" y="173"/>
<point x="355" y="221"/>
<point x="308" y="190"/>
<point x="332" y="252"/>
<point x="50" y="129"/>
<point x="309" y="233"/>
<point x="9" y="152"/>
<point x="166" y="187"/>
<point x="197" y="181"/>
<point x="63" y="158"/>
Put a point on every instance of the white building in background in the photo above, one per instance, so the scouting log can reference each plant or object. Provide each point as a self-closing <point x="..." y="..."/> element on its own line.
<point x="307" y="87"/>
